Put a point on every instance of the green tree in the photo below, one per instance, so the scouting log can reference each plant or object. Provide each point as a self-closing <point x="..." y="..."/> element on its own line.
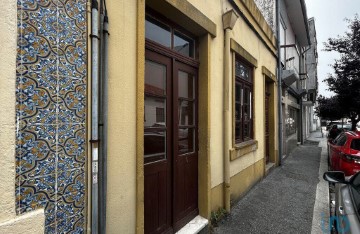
<point x="345" y="82"/>
<point x="329" y="108"/>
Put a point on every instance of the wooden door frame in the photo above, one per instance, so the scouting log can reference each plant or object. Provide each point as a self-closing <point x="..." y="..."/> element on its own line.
<point x="205" y="38"/>
<point x="177" y="62"/>
<point x="270" y="82"/>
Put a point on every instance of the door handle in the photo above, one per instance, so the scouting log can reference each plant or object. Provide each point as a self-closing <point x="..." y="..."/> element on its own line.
<point x="341" y="210"/>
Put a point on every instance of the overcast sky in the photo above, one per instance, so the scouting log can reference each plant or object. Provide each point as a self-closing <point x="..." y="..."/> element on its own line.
<point x="329" y="22"/>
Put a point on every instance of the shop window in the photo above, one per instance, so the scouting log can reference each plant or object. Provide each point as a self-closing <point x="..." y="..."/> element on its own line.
<point x="243" y="101"/>
<point x="291" y="122"/>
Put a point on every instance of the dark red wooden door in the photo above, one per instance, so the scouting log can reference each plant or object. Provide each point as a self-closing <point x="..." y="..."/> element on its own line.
<point x="157" y="143"/>
<point x="267" y="127"/>
<point x="185" y="145"/>
<point x="170" y="144"/>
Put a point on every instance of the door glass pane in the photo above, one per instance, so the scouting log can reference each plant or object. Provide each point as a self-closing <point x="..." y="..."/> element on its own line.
<point x="186" y="140"/>
<point x="186" y="85"/>
<point x="186" y="113"/>
<point x="183" y="45"/>
<point x="157" y="32"/>
<point x="155" y="112"/>
<point x="155" y="78"/>
<point x="154" y="145"/>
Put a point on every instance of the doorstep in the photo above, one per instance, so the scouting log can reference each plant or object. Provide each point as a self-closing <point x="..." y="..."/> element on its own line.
<point x="268" y="167"/>
<point x="194" y="226"/>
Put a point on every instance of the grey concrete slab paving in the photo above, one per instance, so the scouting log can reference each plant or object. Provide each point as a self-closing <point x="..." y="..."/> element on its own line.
<point x="321" y="215"/>
<point x="283" y="202"/>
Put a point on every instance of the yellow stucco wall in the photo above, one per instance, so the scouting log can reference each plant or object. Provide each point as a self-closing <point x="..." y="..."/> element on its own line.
<point x="122" y="201"/>
<point x="250" y="42"/>
<point x="121" y="188"/>
<point x="244" y="36"/>
<point x="213" y="10"/>
<point x="122" y="151"/>
<point x="31" y="222"/>
<point x="239" y="184"/>
<point x="245" y="179"/>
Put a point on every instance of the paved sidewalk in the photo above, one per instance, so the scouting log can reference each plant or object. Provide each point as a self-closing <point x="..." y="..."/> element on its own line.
<point x="284" y="201"/>
<point x="321" y="215"/>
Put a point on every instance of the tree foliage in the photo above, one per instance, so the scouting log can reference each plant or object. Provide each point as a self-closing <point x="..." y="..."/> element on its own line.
<point x="329" y="108"/>
<point x="345" y="81"/>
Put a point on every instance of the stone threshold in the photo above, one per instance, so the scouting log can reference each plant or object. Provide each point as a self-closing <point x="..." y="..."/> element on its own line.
<point x="269" y="167"/>
<point x="194" y="226"/>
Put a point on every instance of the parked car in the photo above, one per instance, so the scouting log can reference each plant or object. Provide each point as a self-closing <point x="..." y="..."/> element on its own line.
<point x="328" y="126"/>
<point x="347" y="201"/>
<point x="336" y="129"/>
<point x="344" y="152"/>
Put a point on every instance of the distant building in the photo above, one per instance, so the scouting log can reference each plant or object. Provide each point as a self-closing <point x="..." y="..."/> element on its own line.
<point x="311" y="121"/>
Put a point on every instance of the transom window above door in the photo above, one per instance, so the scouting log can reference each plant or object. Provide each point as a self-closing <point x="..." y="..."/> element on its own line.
<point x="169" y="37"/>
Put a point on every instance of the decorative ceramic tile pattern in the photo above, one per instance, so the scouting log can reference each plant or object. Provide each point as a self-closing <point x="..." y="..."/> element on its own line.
<point x="51" y="112"/>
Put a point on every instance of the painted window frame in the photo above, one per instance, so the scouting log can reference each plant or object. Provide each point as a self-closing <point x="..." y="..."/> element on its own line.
<point x="244" y="84"/>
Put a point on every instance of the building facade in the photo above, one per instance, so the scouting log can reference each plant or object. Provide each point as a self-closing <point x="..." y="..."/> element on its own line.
<point x="187" y="116"/>
<point x="294" y="44"/>
<point x="311" y="121"/>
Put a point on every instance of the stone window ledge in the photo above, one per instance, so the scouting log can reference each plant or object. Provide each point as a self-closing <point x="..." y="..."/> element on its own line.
<point x="243" y="148"/>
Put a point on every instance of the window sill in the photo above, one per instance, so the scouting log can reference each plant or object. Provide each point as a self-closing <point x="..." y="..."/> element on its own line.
<point x="243" y="148"/>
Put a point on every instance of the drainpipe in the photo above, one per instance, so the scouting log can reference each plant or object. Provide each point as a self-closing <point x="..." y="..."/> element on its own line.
<point x="229" y="20"/>
<point x="104" y="123"/>
<point x="94" y="114"/>
<point x="301" y="121"/>
<point x="279" y="74"/>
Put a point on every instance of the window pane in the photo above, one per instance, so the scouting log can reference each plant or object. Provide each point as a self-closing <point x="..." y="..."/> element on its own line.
<point x="355" y="144"/>
<point x="157" y="32"/>
<point x="246" y="96"/>
<point x="242" y="71"/>
<point x="341" y="141"/>
<point x="237" y="130"/>
<point x="154" y="146"/>
<point x="152" y="117"/>
<point x="183" y="45"/>
<point x="246" y="131"/>
<point x="155" y="78"/>
<point x="186" y="113"/>
<point x="250" y="102"/>
<point x="186" y="140"/>
<point x="186" y="85"/>
<point x="291" y="121"/>
<point x="238" y="93"/>
<point x="160" y="115"/>
<point x="246" y="116"/>
<point x="237" y="111"/>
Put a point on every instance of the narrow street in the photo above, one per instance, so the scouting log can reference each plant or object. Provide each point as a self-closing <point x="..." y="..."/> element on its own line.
<point x="284" y="201"/>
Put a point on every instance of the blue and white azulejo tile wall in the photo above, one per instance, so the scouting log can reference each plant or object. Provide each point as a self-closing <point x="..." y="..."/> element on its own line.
<point x="51" y="81"/>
